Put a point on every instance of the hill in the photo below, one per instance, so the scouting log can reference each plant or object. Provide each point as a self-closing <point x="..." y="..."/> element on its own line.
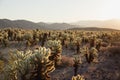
<point x="5" y="23"/>
<point x="114" y="23"/>
<point x="57" y="26"/>
<point x="84" y="25"/>
<point x="93" y="29"/>
<point x="24" y="24"/>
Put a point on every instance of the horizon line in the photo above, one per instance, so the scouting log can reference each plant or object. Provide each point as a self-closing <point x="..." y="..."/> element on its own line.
<point x="62" y="21"/>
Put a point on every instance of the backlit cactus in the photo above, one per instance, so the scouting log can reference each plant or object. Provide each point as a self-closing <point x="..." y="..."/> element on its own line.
<point x="1" y="65"/>
<point x="90" y="54"/>
<point x="93" y="41"/>
<point x="29" y="65"/>
<point x="56" y="50"/>
<point x="4" y="39"/>
<point x="77" y="62"/>
<point x="78" y="77"/>
<point x="93" y="55"/>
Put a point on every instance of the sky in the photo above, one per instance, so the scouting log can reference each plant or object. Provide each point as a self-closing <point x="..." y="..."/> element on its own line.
<point x="60" y="10"/>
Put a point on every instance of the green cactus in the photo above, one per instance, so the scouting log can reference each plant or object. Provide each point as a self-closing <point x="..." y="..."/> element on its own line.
<point x="93" y="55"/>
<point x="78" y="77"/>
<point x="29" y="65"/>
<point x="98" y="44"/>
<point x="56" y="50"/>
<point x="93" y="41"/>
<point x="4" y="39"/>
<point x="78" y="43"/>
<point x="77" y="62"/>
<point x="1" y="65"/>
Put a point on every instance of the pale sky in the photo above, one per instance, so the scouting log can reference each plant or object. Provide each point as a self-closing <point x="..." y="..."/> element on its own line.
<point x="60" y="10"/>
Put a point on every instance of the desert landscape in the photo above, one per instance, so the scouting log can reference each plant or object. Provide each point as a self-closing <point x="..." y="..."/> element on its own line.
<point x="60" y="54"/>
<point x="59" y="40"/>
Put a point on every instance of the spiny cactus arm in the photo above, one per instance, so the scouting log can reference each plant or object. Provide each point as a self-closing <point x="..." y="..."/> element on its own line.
<point x="49" y="67"/>
<point x="1" y="65"/>
<point x="77" y="59"/>
<point x="10" y="72"/>
<point x="19" y="55"/>
<point x="78" y="77"/>
<point x="94" y="51"/>
<point x="84" y="50"/>
<point x="23" y="67"/>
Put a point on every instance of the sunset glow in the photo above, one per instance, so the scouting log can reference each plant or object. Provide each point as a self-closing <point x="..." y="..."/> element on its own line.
<point x="60" y="10"/>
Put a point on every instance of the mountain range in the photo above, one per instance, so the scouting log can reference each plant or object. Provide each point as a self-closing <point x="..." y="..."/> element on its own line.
<point x="113" y="23"/>
<point x="84" y="25"/>
<point x="5" y="23"/>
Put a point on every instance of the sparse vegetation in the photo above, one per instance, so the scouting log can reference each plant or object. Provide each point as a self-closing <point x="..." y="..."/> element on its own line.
<point x="39" y="54"/>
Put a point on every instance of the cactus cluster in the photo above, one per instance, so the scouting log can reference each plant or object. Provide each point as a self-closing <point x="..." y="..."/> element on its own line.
<point x="56" y="50"/>
<point x="54" y="45"/>
<point x="91" y="54"/>
<point x="36" y="64"/>
<point x="29" y="65"/>
<point x="4" y="38"/>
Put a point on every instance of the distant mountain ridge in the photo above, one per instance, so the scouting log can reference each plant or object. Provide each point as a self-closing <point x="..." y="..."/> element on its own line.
<point x="57" y="26"/>
<point x="94" y="29"/>
<point x="24" y="24"/>
<point x="5" y="23"/>
<point x="113" y="23"/>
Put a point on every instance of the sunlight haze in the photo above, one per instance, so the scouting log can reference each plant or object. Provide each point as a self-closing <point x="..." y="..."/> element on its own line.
<point x="60" y="10"/>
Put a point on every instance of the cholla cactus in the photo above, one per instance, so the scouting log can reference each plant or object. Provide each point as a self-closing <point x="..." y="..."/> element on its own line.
<point x="56" y="50"/>
<point x="4" y="39"/>
<point x="84" y="50"/>
<point x="19" y="36"/>
<point x="93" y="41"/>
<point x="36" y="37"/>
<point x="1" y="65"/>
<point x="28" y="36"/>
<point x="44" y="38"/>
<point x="5" y="35"/>
<point x="41" y="63"/>
<point x="93" y="55"/>
<point x="1" y="39"/>
<point x="78" y="43"/>
<point x="90" y="54"/>
<point x="72" y="44"/>
<point x="18" y="66"/>
<point x="29" y="65"/>
<point x="77" y="59"/>
<point x="77" y="62"/>
<point x="29" y="39"/>
<point x="54" y="45"/>
<point x="98" y="44"/>
<point x="64" y="39"/>
<point x="78" y="77"/>
<point x="85" y="39"/>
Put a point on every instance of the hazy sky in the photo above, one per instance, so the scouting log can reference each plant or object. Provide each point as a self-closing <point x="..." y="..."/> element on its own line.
<point x="60" y="10"/>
